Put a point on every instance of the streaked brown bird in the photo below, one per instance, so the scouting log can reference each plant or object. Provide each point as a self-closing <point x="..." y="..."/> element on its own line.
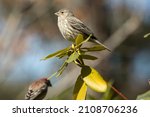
<point x="70" y="27"/>
<point x="38" y="89"/>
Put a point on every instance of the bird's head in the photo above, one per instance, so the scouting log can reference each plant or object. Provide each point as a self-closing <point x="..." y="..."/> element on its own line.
<point x="46" y="81"/>
<point x="63" y="13"/>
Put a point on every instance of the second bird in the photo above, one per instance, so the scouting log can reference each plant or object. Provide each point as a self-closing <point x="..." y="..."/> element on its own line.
<point x="70" y="27"/>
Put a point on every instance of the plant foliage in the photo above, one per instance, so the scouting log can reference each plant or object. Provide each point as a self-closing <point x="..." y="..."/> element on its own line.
<point x="89" y="77"/>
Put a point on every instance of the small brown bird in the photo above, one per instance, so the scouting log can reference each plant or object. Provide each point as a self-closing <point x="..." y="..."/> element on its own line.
<point x="70" y="27"/>
<point x="38" y="89"/>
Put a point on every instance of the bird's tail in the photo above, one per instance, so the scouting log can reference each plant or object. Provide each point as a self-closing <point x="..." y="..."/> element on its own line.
<point x="98" y="42"/>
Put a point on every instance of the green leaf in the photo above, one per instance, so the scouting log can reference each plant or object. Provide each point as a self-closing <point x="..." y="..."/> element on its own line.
<point x="60" y="52"/>
<point x="145" y="96"/>
<point x="88" y="57"/>
<point x="145" y="36"/>
<point x="77" y="46"/>
<point x="108" y="95"/>
<point x="72" y="57"/>
<point x="54" y="74"/>
<point x="79" y="39"/>
<point x="61" y="69"/>
<point x="80" y="89"/>
<point x="94" y="48"/>
<point x="63" y="54"/>
<point x="93" y="79"/>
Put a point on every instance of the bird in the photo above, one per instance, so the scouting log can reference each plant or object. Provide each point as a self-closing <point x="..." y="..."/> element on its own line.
<point x="38" y="89"/>
<point x="70" y="27"/>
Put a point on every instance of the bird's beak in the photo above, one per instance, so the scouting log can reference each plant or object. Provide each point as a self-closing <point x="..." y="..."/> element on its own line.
<point x="56" y="13"/>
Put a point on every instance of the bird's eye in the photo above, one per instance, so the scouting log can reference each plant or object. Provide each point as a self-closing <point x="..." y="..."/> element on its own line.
<point x="62" y="12"/>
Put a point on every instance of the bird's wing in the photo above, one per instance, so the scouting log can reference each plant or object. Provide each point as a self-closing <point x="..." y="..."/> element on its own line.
<point x="78" y="25"/>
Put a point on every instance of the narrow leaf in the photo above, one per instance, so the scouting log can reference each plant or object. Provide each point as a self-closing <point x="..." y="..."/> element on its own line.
<point x="65" y="50"/>
<point x="145" y="36"/>
<point x="77" y="46"/>
<point x="88" y="57"/>
<point x="54" y="74"/>
<point x="94" y="48"/>
<point x="93" y="79"/>
<point x="72" y="57"/>
<point x="60" y="71"/>
<point x="80" y="89"/>
<point x="79" y="39"/>
<point x="145" y="96"/>
<point x="63" y="54"/>
<point x="62" y="68"/>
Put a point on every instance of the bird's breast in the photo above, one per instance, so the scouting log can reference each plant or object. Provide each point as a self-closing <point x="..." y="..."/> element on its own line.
<point x="65" y="29"/>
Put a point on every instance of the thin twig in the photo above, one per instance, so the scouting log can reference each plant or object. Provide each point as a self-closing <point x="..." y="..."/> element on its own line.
<point x="119" y="93"/>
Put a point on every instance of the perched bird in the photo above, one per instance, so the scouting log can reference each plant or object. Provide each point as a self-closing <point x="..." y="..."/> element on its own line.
<point x="70" y="27"/>
<point x="38" y="89"/>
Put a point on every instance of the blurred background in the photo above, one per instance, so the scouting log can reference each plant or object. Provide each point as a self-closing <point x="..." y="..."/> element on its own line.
<point x="28" y="32"/>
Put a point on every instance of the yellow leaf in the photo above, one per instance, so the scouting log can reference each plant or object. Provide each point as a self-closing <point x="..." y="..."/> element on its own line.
<point x="93" y="79"/>
<point x="79" y="39"/>
<point x="79" y="45"/>
<point x="80" y="89"/>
